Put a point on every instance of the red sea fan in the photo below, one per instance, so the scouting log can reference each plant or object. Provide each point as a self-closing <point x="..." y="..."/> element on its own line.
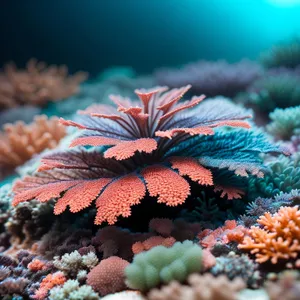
<point x="153" y="145"/>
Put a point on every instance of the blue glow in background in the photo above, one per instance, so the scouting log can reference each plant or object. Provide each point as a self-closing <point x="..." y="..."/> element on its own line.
<point x="145" y="34"/>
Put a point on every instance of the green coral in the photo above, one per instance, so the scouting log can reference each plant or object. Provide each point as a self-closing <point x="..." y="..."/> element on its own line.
<point x="284" y="55"/>
<point x="277" y="90"/>
<point x="285" y="122"/>
<point x="284" y="176"/>
<point x="72" y="291"/>
<point x="162" y="265"/>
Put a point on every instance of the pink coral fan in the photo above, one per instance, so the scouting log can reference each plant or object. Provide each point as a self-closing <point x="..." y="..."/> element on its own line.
<point x="108" y="276"/>
<point x="156" y="145"/>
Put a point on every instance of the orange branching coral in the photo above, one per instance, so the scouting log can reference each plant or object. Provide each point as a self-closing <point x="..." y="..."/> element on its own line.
<point x="36" y="265"/>
<point x="278" y="240"/>
<point x="230" y="232"/>
<point x="37" y="84"/>
<point x="20" y="142"/>
<point x="152" y="242"/>
<point x="151" y="148"/>
<point x="48" y="283"/>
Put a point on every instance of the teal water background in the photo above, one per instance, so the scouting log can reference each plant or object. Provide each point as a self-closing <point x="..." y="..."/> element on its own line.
<point x="145" y="34"/>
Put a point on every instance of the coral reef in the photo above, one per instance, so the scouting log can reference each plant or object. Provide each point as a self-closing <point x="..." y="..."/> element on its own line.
<point x="189" y="203"/>
<point x="37" y="84"/>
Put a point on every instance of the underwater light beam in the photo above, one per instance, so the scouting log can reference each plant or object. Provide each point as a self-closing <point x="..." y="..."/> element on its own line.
<point x="284" y="3"/>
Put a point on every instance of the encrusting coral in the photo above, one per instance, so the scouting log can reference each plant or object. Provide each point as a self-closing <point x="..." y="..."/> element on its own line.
<point x="162" y="265"/>
<point x="278" y="239"/>
<point x="153" y="145"/>
<point x="201" y="287"/>
<point x="20" y="142"/>
<point x="37" y="84"/>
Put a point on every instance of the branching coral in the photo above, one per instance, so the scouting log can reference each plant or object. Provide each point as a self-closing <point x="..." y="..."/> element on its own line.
<point x="72" y="263"/>
<point x="279" y="238"/>
<point x="20" y="142"/>
<point x="284" y="122"/>
<point x="162" y="265"/>
<point x="284" y="55"/>
<point x="201" y="287"/>
<point x="37" y="84"/>
<point x="153" y="147"/>
<point x="212" y="78"/>
<point x="284" y="176"/>
<point x="72" y="291"/>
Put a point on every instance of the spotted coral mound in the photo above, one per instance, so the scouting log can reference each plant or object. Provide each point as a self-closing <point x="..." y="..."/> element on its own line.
<point x="165" y="150"/>
<point x="162" y="265"/>
<point x="108" y="276"/>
